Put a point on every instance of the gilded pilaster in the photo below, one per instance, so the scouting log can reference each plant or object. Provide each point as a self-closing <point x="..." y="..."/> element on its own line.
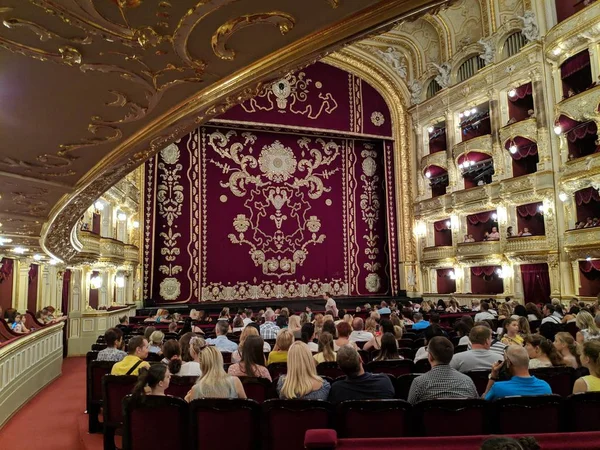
<point x="22" y="276"/>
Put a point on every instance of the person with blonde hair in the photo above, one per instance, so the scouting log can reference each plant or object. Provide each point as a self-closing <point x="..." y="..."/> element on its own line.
<point x="156" y="342"/>
<point x="590" y="358"/>
<point x="160" y="317"/>
<point x="524" y="328"/>
<point x="301" y="380"/>
<point x="567" y="348"/>
<point x="318" y="321"/>
<point x="326" y="352"/>
<point x="192" y="368"/>
<point x="285" y="339"/>
<point x="371" y="326"/>
<point x="588" y="331"/>
<point x="294" y="326"/>
<point x="215" y="382"/>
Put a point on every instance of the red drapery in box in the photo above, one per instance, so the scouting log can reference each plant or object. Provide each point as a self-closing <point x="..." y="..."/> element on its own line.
<point x="6" y="283"/>
<point x="536" y="283"/>
<point x="581" y="131"/>
<point x="529" y="216"/>
<point x="442" y="234"/>
<point x="484" y="217"/>
<point x="33" y="288"/>
<point x="445" y="284"/>
<point x="589" y="266"/>
<point x="586" y="196"/>
<point x="589" y="278"/>
<point x="525" y="148"/>
<point x="575" y="64"/>
<point x="522" y="92"/>
<point x="530" y="210"/>
<point x="484" y="270"/>
<point x="94" y="294"/>
<point x="485" y="280"/>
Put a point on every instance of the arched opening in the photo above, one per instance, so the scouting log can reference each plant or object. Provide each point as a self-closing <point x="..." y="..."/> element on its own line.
<point x="487" y="280"/>
<point x="513" y="44"/>
<point x="566" y="8"/>
<point x="438" y="180"/>
<point x="589" y="278"/>
<point x="581" y="137"/>
<point x="442" y="233"/>
<point x="576" y="74"/>
<point x="470" y="67"/>
<point x="587" y="203"/>
<point x="481" y="225"/>
<point x="446" y="281"/>
<point x="475" y="122"/>
<point x="437" y="138"/>
<point x="524" y="155"/>
<point x="476" y="169"/>
<point x="530" y="220"/>
<point x="520" y="103"/>
<point x="433" y="88"/>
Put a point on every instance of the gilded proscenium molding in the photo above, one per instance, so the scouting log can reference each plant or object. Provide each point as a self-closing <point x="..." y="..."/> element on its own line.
<point x="524" y="128"/>
<point x="435" y="159"/>
<point x="437" y="253"/>
<point x="480" y="249"/>
<point x="214" y="100"/>
<point x="581" y="107"/>
<point x="572" y="33"/>
<point x="482" y="144"/>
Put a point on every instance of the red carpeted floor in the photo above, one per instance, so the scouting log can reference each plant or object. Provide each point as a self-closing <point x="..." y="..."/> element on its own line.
<point x="50" y="420"/>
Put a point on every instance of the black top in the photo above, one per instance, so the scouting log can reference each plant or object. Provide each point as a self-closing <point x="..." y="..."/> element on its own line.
<point x="363" y="387"/>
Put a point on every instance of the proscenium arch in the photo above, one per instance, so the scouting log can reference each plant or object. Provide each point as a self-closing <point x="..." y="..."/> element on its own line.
<point x="395" y="93"/>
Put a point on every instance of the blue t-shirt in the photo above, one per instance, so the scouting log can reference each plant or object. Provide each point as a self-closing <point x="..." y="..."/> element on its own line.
<point x="420" y="325"/>
<point x="518" y="386"/>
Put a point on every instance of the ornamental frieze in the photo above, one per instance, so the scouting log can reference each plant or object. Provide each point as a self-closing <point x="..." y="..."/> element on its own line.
<point x="435" y="159"/>
<point x="581" y="107"/>
<point x="480" y="144"/>
<point x="525" y="128"/>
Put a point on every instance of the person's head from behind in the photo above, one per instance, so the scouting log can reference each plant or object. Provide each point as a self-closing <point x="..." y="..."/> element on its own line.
<point x="269" y="315"/>
<point x="285" y="339"/>
<point x="329" y="327"/>
<point x="172" y="352"/>
<point x="197" y="345"/>
<point x="485" y="306"/>
<point x="156" y="338"/>
<point x="343" y="330"/>
<point x="172" y="327"/>
<point x="113" y="338"/>
<point x="434" y="318"/>
<point x="148" y="332"/>
<point x="222" y="328"/>
<point x="124" y="320"/>
<point x="248" y="331"/>
<point x="138" y="346"/>
<point x="386" y="326"/>
<point x="433" y="331"/>
<point x="516" y="359"/>
<point x="389" y="347"/>
<point x="590" y="356"/>
<point x="440" y="350"/>
<point x="301" y="371"/>
<point x="480" y="337"/>
<point x="157" y="377"/>
<point x="253" y="354"/>
<point x="585" y="321"/>
<point x="358" y="324"/>
<point x="307" y="332"/>
<point x="417" y="317"/>
<point x="507" y="443"/>
<point x="294" y="322"/>
<point x="462" y="328"/>
<point x="349" y="361"/>
<point x="184" y="342"/>
<point x="520" y="311"/>
<point x="238" y="322"/>
<point x="213" y="375"/>
<point x="326" y="346"/>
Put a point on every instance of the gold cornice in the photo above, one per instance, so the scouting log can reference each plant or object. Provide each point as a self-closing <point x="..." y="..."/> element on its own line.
<point x="212" y="101"/>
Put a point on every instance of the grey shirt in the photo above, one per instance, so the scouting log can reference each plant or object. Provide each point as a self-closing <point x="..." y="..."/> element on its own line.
<point x="474" y="360"/>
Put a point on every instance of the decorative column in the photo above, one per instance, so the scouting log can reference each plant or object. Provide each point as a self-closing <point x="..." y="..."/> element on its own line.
<point x="541" y="119"/>
<point x="45" y="284"/>
<point x="22" y="275"/>
<point x="105" y="291"/>
<point x="466" y="279"/>
<point x="432" y="281"/>
<point x="554" y="274"/>
<point x="518" y="282"/>
<point x="106" y="221"/>
<point x="496" y="124"/>
<point x="576" y="275"/>
<point x="450" y="143"/>
<point x="594" y="50"/>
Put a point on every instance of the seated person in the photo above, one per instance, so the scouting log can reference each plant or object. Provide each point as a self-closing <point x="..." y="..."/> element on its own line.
<point x="590" y="358"/>
<point x="510" y="333"/>
<point x="525" y="232"/>
<point x="17" y="324"/>
<point x="325" y="349"/>
<point x="155" y="342"/>
<point x="484" y="313"/>
<point x="253" y="360"/>
<point x="192" y="367"/>
<point x="494" y="235"/>
<point x="521" y="382"/>
<point x="215" y="382"/>
<point x="509" y="232"/>
<point x="221" y="341"/>
<point x="480" y="357"/>
<point x="301" y="380"/>
<point x="471" y="238"/>
<point x="160" y="317"/>
<point x="307" y="335"/>
<point x="430" y="333"/>
<point x="442" y="381"/>
<point x="42" y="316"/>
<point x="542" y="352"/>
<point x="589" y="223"/>
<point x="466" y="238"/>
<point x="156" y="380"/>
<point x="123" y="325"/>
<point x="114" y="341"/>
<point x="389" y="348"/>
<point x="420" y="323"/>
<point x="386" y="326"/>
<point x="566" y="346"/>
<point x="358" y="384"/>
<point x="285" y="339"/>
<point x="137" y="352"/>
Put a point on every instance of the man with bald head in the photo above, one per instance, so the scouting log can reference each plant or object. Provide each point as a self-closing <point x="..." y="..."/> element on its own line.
<point x="359" y="335"/>
<point x="516" y="360"/>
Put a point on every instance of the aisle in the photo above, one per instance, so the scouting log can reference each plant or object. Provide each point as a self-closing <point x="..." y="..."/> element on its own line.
<point x="49" y="420"/>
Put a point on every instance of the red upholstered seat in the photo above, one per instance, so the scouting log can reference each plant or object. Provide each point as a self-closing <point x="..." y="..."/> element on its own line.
<point x="452" y="417"/>
<point x="155" y="423"/>
<point x="560" y="379"/>
<point x="329" y="369"/>
<point x="94" y="374"/>
<point x="318" y="439"/>
<point x="583" y="411"/>
<point x="535" y="414"/>
<point x="402" y="385"/>
<point x="480" y="378"/>
<point x="277" y="369"/>
<point x="114" y="389"/>
<point x="213" y="420"/>
<point x="180" y="386"/>
<point x="286" y="421"/>
<point x="373" y="418"/>
<point x="422" y="366"/>
<point x="405" y="343"/>
<point x="258" y="389"/>
<point x="394" y="367"/>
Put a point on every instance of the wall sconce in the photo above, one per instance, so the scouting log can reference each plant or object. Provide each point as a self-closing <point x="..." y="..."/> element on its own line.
<point x="5" y="241"/>
<point x="513" y="148"/>
<point x="420" y="229"/>
<point x="558" y="130"/>
<point x="122" y="217"/>
<point x="512" y="93"/>
<point x="37" y="257"/>
<point x="494" y="217"/>
<point x="54" y="262"/>
<point x="96" y="282"/>
<point x="430" y="129"/>
<point x="428" y="174"/>
<point x="505" y="272"/>
<point x="449" y="224"/>
<point x="99" y="205"/>
<point x="135" y="224"/>
<point x="563" y="197"/>
<point x="19" y="250"/>
<point x="589" y="258"/>
<point x="120" y="281"/>
<point x="452" y="275"/>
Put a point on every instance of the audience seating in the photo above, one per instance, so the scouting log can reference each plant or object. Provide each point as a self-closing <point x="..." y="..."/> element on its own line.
<point x="329" y="369"/>
<point x="452" y="417"/>
<point x="180" y="386"/>
<point x="409" y="335"/>
<point x="98" y="347"/>
<point x="528" y="414"/>
<point x="560" y="379"/>
<point x="286" y="421"/>
<point x="277" y="369"/>
<point x="95" y="371"/>
<point x="114" y="389"/>
<point x="461" y="348"/>
<point x="480" y="378"/>
<point x="258" y="389"/>
<point x="394" y="367"/>
<point x="583" y="411"/>
<point x="405" y="342"/>
<point x="155" y="423"/>
<point x="402" y="385"/>
<point x="154" y="357"/>
<point x="406" y="352"/>
<point x="373" y="418"/>
<point x="422" y="366"/>
<point x="418" y="343"/>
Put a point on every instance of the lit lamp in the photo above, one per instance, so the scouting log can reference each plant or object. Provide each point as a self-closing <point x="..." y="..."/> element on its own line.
<point x="122" y="217"/>
<point x="428" y="174"/>
<point x="99" y="205"/>
<point x="120" y="281"/>
<point x="135" y="224"/>
<point x="513" y="148"/>
<point x="96" y="282"/>
<point x="558" y="130"/>
<point x="563" y="197"/>
<point x="452" y="275"/>
<point x="512" y="93"/>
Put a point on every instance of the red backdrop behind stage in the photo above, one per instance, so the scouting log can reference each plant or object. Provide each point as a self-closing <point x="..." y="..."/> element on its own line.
<point x="235" y="212"/>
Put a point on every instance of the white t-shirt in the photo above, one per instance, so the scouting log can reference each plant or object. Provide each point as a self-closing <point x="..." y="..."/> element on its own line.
<point x="313" y="347"/>
<point x="361" y="336"/>
<point x="191" y="368"/>
<point x="331" y="305"/>
<point x="483" y="315"/>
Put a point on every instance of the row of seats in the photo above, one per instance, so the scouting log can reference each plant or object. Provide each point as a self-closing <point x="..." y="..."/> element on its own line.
<point x="278" y="424"/>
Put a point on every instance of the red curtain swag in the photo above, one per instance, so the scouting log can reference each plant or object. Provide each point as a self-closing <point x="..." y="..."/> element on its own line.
<point x="483" y="217"/>
<point x="484" y="270"/>
<point x="530" y="210"/>
<point x="6" y="269"/>
<point x="525" y="151"/>
<point x="441" y="225"/>
<point x="586" y="196"/>
<point x="522" y="92"/>
<point x="581" y="131"/>
<point x="574" y="64"/>
<point x="588" y="266"/>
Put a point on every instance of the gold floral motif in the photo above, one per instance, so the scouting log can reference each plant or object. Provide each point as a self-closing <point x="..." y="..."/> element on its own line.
<point x="277" y="162"/>
<point x="377" y="119"/>
<point x="170" y="289"/>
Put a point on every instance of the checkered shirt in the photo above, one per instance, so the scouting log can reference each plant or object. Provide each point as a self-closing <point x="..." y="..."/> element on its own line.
<point x="441" y="381"/>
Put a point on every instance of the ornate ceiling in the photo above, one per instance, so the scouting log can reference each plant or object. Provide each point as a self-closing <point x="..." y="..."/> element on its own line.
<point x="91" y="88"/>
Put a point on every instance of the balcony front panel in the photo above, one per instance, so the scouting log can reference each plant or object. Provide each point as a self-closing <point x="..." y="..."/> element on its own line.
<point x="524" y="245"/>
<point x="582" y="238"/>
<point x="90" y="243"/>
<point x="581" y="168"/>
<point x="526" y="128"/>
<point x="477" y="197"/>
<point x="535" y="182"/>
<point x="432" y="206"/>
<point x="132" y="254"/>
<point x="437" y="253"/>
<point x="486" y="248"/>
<point x="435" y="159"/>
<point x="112" y="250"/>
<point x="569" y="32"/>
<point x="580" y="107"/>
<point x="480" y="144"/>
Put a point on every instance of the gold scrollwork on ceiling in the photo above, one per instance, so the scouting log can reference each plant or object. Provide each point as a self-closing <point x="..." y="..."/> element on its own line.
<point x="285" y="22"/>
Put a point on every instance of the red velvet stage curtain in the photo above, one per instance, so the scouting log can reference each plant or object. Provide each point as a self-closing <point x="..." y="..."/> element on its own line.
<point x="588" y="203"/>
<point x="589" y="278"/>
<point x="445" y="284"/>
<point x="442" y="234"/>
<point x="94" y="295"/>
<point x="32" y="291"/>
<point x="575" y="64"/>
<point x="536" y="283"/>
<point x="529" y="216"/>
<point x="6" y="283"/>
<point x="485" y="280"/>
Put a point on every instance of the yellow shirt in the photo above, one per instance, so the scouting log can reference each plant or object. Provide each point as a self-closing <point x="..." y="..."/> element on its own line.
<point x="517" y="340"/>
<point x="592" y="382"/>
<point x="320" y="358"/>
<point x="277" y="357"/>
<point x="123" y="366"/>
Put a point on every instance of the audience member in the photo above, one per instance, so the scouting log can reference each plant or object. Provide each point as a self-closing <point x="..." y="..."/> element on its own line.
<point x="172" y="329"/>
<point x="17" y="324"/>
<point x="329" y="327"/>
<point x="419" y="324"/>
<point x="494" y="235"/>
<point x="307" y="335"/>
<point x="588" y="330"/>
<point x="542" y="352"/>
<point x="389" y="348"/>
<point x="155" y="342"/>
<point x="221" y="341"/>
<point x="375" y="343"/>
<point x="453" y="307"/>
<point x="156" y="379"/>
<point x="325" y="349"/>
<point x="484" y="313"/>
<point x="524" y="328"/>
<point x="330" y="305"/>
<point x="172" y="356"/>
<point x="269" y="330"/>
<point x="359" y="335"/>
<point x="571" y="316"/>
<point x="519" y="311"/>
<point x="184" y="342"/>
<point x="215" y="382"/>
<point x="590" y="358"/>
<point x="525" y="232"/>
<point x="301" y="380"/>
<point x="294" y="326"/>
<point x="123" y="325"/>
<point x="497" y="346"/>
<point x="192" y="368"/>
<point x="285" y="339"/>
<point x="504" y="311"/>
<point x="550" y="315"/>
<point x="510" y="333"/>
<point x="480" y="357"/>
<point x="430" y="333"/>
<point x="114" y="342"/>
<point x="516" y="361"/>
<point x="463" y="328"/>
<point x="253" y="360"/>
<point x="533" y="312"/>
<point x="160" y="317"/>
<point x="238" y="324"/>
<point x="256" y="326"/>
<point x="442" y="381"/>
<point x="148" y="332"/>
<point x="137" y="351"/>
<point x="358" y="384"/>
<point x="343" y="333"/>
<point x="567" y="348"/>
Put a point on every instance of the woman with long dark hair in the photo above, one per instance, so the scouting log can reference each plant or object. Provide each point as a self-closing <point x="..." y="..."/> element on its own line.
<point x="253" y="360"/>
<point x="389" y="348"/>
<point x="156" y="378"/>
<point x="542" y="352"/>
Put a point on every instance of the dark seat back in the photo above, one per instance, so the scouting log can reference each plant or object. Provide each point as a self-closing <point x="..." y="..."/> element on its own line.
<point x="560" y="379"/>
<point x="329" y="369"/>
<point x="154" y="357"/>
<point x="95" y="371"/>
<point x="277" y="369"/>
<point x="286" y="421"/>
<point x="402" y="385"/>
<point x="422" y="366"/>
<point x="180" y="386"/>
<point x="114" y="389"/>
<point x="394" y="367"/>
<point x="452" y="417"/>
<point x="405" y="342"/>
<point x="528" y="414"/>
<point x="480" y="378"/>
<point x="256" y="388"/>
<point x="211" y="422"/>
<point x="98" y="347"/>
<point x="144" y="419"/>
<point x="373" y="418"/>
<point x="583" y="411"/>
